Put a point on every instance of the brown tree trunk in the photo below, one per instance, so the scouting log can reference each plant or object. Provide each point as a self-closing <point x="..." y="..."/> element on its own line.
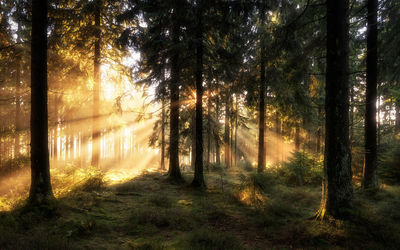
<point x="370" y="174"/>
<point x="17" y="108"/>
<point x="209" y="122"/>
<point x="337" y="192"/>
<point x="216" y="133"/>
<point x="40" y="190"/>
<point x="397" y="126"/>
<point x="236" y="131"/>
<point x="163" y="133"/>
<point x="297" y="137"/>
<point x="278" y="136"/>
<point x="174" y="171"/>
<point x="193" y="155"/>
<point x="198" y="180"/>
<point x="96" y="88"/>
<point x="226" y="134"/>
<point x="261" y="108"/>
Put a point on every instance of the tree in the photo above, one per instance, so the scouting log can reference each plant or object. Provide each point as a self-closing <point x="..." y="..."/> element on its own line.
<point x="41" y="190"/>
<point x="96" y="88"/>
<point x="261" y="109"/>
<point x="337" y="191"/>
<point x="174" y="170"/>
<point x="370" y="175"/>
<point x="198" y="180"/>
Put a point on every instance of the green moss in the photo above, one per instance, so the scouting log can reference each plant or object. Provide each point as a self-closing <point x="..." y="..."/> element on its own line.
<point x="205" y="239"/>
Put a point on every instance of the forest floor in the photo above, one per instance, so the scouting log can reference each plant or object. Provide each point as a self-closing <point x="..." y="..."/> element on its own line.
<point x="148" y="212"/>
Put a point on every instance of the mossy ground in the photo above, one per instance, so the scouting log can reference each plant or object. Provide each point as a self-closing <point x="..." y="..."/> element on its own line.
<point x="148" y="212"/>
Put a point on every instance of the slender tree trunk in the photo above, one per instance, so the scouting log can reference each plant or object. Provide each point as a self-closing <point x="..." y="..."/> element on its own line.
<point x="261" y="108"/>
<point x="198" y="180"/>
<point x="17" y="107"/>
<point x="351" y="117"/>
<point x="231" y="135"/>
<point x="162" y="133"/>
<point x="174" y="171"/>
<point x="297" y="137"/>
<point x="57" y="100"/>
<point x="277" y="138"/>
<point x="370" y="179"/>
<point x="226" y="134"/>
<point x="96" y="88"/>
<point x="216" y="133"/>
<point x="40" y="190"/>
<point x="379" y="120"/>
<point x="397" y="126"/>
<point x="337" y="192"/>
<point x="193" y="155"/>
<point x="236" y="131"/>
<point x="319" y="129"/>
<point x="209" y="122"/>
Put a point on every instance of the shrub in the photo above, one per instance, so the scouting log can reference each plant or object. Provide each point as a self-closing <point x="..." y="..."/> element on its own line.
<point x="14" y="165"/>
<point x="246" y="165"/>
<point x="389" y="169"/>
<point x="302" y="169"/>
<point x="215" y="167"/>
<point x="253" y="187"/>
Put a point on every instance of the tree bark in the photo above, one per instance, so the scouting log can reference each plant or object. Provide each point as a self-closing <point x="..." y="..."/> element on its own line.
<point x="216" y="134"/>
<point x="337" y="189"/>
<point x="297" y="137"/>
<point x="370" y="174"/>
<point x="193" y="155"/>
<point x="226" y="134"/>
<point x="40" y="190"/>
<point x="162" y="133"/>
<point x="198" y="180"/>
<point x="174" y="171"/>
<point x="236" y="131"/>
<point x="17" y="107"/>
<point x="209" y="121"/>
<point x="261" y="108"/>
<point x="277" y="138"/>
<point x="96" y="88"/>
<point x="397" y="126"/>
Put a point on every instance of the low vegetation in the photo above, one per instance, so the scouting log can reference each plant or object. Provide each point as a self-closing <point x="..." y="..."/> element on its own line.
<point x="249" y="211"/>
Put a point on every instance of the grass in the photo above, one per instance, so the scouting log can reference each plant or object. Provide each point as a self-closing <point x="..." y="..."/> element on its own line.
<point x="148" y="212"/>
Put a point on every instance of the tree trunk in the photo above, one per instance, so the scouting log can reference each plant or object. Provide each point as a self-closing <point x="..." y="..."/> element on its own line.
<point x="96" y="88"/>
<point x="209" y="122"/>
<point x="226" y="134"/>
<point x="236" y="130"/>
<point x="174" y="171"/>
<point x="162" y="133"/>
<point x="193" y="155"/>
<point x="40" y="190"/>
<point x="337" y="191"/>
<point x="17" y="107"/>
<point x="379" y="120"/>
<point x="397" y="126"/>
<point x="297" y="137"/>
<point x="198" y="180"/>
<point x="216" y="133"/>
<point x="370" y="179"/>
<point x="277" y="138"/>
<point x="261" y="109"/>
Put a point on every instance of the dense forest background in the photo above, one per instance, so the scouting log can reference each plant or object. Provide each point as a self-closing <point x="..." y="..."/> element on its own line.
<point x="255" y="98"/>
